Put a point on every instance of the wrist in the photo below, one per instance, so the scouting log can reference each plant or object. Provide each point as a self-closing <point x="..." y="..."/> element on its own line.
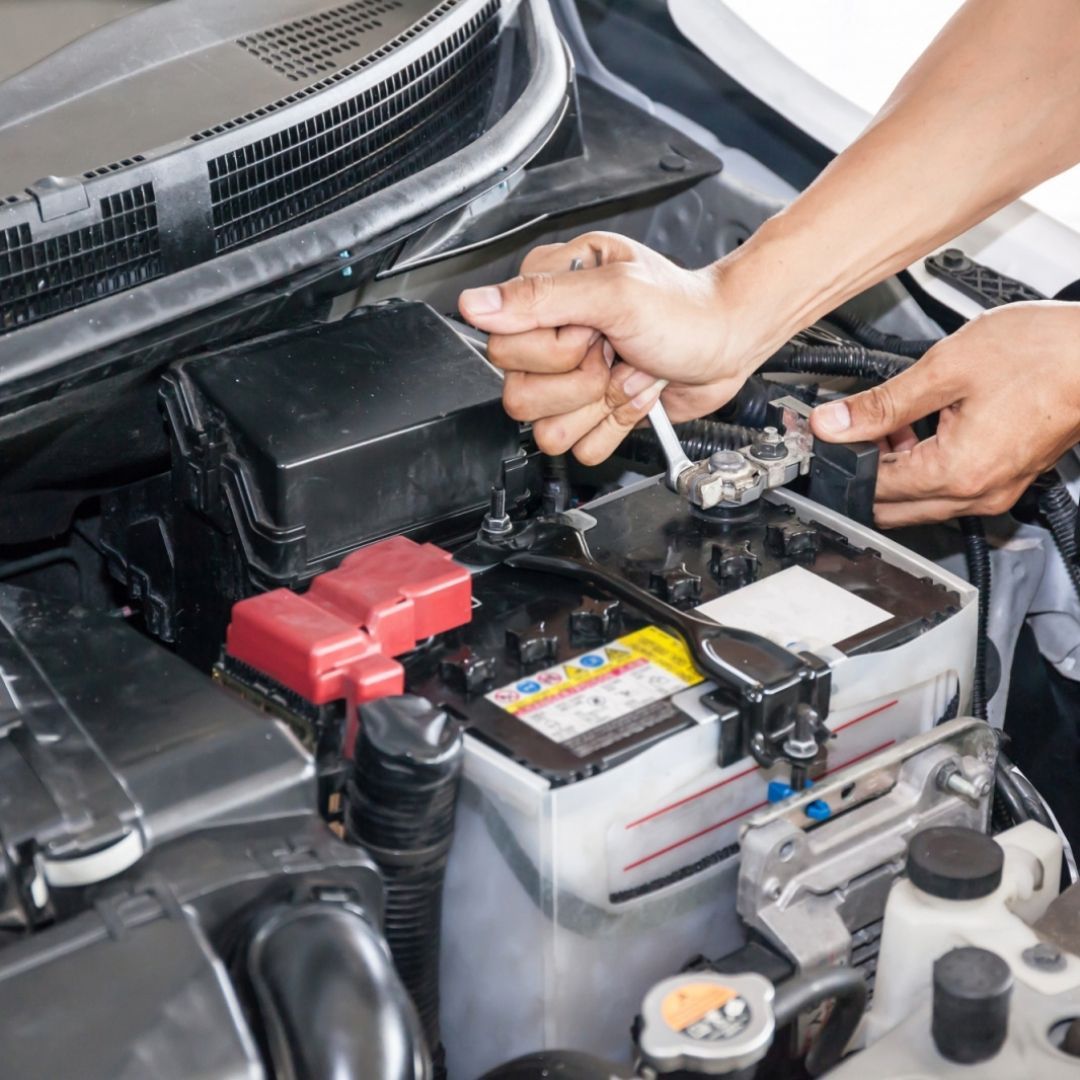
<point x="764" y="295"/>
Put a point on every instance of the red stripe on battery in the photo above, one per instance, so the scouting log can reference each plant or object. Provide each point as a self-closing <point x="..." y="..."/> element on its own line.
<point x="866" y="716"/>
<point x="742" y="813"/>
<point x="690" y="798"/>
<point x="859" y="757"/>
<point x="692" y="837"/>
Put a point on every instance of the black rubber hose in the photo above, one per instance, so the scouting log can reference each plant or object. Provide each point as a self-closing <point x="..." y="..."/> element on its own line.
<point x="1031" y="803"/>
<point x="848" y="359"/>
<point x="699" y="439"/>
<point x="1009" y="808"/>
<point x="872" y="338"/>
<point x="1007" y="804"/>
<point x="559" y="1065"/>
<point x="400" y="802"/>
<point x="1059" y="512"/>
<point x="328" y="1000"/>
<point x="977" y="555"/>
<point x="846" y="988"/>
<point x="750" y="406"/>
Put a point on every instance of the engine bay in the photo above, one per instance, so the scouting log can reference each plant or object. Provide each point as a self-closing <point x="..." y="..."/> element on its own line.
<point x="344" y="732"/>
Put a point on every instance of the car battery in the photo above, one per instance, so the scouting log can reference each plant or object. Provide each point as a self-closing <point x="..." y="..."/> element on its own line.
<point x="607" y="776"/>
<point x="636" y="678"/>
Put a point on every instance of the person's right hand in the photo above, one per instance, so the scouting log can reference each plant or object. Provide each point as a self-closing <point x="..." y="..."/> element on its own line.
<point x="556" y="334"/>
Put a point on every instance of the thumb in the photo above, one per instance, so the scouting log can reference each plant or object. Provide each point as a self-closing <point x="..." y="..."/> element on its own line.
<point x="883" y="409"/>
<point x="533" y="301"/>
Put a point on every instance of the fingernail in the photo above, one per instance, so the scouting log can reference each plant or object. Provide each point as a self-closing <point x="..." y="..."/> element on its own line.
<point x="609" y="353"/>
<point x="593" y="339"/>
<point x="833" y="418"/>
<point x="483" y="301"/>
<point x="648" y="397"/>
<point x="637" y="382"/>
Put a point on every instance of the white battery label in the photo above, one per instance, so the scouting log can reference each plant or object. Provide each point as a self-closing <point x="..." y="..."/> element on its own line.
<point x="796" y="606"/>
<point x="574" y="702"/>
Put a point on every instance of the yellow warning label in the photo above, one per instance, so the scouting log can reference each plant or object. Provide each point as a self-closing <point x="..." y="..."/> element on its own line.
<point x="663" y="649"/>
<point x="600" y="686"/>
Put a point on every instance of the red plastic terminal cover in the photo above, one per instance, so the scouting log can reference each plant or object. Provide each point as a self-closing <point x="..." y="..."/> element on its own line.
<point x="338" y="639"/>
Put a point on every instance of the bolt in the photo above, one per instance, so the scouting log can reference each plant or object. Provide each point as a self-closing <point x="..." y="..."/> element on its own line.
<point x="801" y="744"/>
<point x="497" y="521"/>
<point x="770" y="445"/>
<point x="673" y="162"/>
<point x="727" y="461"/>
<point x="951" y="779"/>
<point x="953" y="258"/>
<point x="1043" y="957"/>
<point x="772" y="888"/>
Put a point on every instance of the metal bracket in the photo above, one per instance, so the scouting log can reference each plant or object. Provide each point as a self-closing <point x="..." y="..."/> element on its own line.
<point x="810" y="888"/>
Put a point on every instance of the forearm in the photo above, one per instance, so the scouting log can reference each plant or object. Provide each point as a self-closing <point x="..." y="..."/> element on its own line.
<point x="991" y="109"/>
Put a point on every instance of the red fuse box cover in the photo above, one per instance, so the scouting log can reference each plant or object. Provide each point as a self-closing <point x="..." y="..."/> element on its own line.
<point x="339" y="638"/>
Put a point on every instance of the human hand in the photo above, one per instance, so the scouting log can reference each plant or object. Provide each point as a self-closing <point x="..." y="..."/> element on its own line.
<point x="557" y="333"/>
<point x="1008" y="389"/>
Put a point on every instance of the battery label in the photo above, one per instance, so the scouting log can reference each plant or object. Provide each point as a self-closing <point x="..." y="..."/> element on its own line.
<point x="604" y="695"/>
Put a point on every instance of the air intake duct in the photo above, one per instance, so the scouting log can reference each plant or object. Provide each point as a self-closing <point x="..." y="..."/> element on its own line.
<point x="400" y="800"/>
<point x="329" y="1002"/>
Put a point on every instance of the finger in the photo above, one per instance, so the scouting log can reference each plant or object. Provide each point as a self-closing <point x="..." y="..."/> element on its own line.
<point x="557" y="434"/>
<point x="592" y="249"/>
<point x="923" y="389"/>
<point x="919" y="512"/>
<point x="604" y="439"/>
<point x="922" y="472"/>
<point x="904" y="439"/>
<point x="530" y="397"/>
<point x="547" y="351"/>
<point x="590" y="297"/>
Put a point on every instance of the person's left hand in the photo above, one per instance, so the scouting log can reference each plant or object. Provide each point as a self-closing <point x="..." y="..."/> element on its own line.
<point x="1007" y="385"/>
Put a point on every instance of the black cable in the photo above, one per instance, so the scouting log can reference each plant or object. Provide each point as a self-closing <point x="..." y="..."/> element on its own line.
<point x="1009" y="808"/>
<point x="1059" y="512"/>
<point x="846" y="987"/>
<point x="699" y="439"/>
<point x="866" y="334"/>
<point x="1032" y="803"/>
<point x="977" y="555"/>
<point x="16" y="567"/>
<point x="43" y="559"/>
<point x="1015" y="797"/>
<point x="750" y="406"/>
<point x="840" y="358"/>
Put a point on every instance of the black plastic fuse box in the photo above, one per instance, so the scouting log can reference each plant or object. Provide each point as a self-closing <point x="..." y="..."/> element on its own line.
<point x="295" y="449"/>
<point x="311" y="443"/>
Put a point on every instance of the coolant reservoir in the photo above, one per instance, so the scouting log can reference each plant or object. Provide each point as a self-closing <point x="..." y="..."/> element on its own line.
<point x="964" y="888"/>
